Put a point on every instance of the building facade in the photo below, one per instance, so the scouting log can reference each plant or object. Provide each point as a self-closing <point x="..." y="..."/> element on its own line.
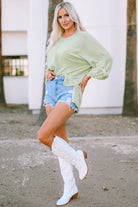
<point x="24" y="34"/>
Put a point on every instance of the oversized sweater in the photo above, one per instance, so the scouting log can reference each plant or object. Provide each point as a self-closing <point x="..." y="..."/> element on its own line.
<point x="77" y="56"/>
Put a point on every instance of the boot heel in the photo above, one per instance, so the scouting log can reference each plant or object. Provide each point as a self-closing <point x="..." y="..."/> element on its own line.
<point x="75" y="196"/>
<point x="85" y="154"/>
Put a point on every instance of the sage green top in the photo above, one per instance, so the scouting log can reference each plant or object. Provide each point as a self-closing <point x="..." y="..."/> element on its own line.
<point x="77" y="56"/>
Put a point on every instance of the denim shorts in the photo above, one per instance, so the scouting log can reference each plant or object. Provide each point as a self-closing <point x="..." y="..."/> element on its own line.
<point x="56" y="92"/>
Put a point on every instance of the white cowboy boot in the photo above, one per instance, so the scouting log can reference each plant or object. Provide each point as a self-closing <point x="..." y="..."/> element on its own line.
<point x="70" y="188"/>
<point x="77" y="158"/>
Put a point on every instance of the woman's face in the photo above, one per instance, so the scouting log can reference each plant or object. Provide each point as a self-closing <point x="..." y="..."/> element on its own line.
<point x="64" y="19"/>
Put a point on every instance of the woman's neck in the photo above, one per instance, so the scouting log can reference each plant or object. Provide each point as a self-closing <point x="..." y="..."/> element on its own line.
<point x="68" y="32"/>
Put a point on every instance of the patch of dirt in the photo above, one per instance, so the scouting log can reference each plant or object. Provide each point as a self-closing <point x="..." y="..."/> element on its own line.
<point x="17" y="122"/>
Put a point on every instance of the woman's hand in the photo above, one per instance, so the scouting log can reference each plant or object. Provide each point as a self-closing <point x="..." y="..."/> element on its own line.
<point x="83" y="83"/>
<point x="50" y="75"/>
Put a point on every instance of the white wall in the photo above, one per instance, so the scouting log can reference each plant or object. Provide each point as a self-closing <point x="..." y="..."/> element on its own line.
<point x="36" y="50"/>
<point x="24" y="32"/>
<point x="106" y="21"/>
<point x="15" y="90"/>
<point x="14" y="43"/>
<point x="15" y="15"/>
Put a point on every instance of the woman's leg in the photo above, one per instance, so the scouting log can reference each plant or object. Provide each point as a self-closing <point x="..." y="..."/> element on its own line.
<point x="61" y="131"/>
<point x="61" y="148"/>
<point x="66" y="154"/>
<point x="66" y="169"/>
<point x="70" y="188"/>
<point x="56" y="119"/>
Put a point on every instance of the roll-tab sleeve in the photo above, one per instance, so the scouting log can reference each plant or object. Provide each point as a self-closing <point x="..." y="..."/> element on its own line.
<point x="97" y="56"/>
<point x="102" y="68"/>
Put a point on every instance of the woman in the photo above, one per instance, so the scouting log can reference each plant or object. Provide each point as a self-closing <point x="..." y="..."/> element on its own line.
<point x="73" y="57"/>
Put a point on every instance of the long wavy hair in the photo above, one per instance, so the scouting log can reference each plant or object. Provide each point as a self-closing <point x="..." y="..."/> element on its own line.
<point x="57" y="30"/>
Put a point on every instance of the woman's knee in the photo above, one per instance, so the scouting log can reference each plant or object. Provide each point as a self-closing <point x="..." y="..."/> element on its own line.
<point x="45" y="136"/>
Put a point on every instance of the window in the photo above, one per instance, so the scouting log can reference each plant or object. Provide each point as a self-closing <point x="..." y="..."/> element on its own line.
<point x="15" y="65"/>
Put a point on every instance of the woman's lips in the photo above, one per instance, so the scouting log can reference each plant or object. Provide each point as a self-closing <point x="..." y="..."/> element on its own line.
<point x="65" y="25"/>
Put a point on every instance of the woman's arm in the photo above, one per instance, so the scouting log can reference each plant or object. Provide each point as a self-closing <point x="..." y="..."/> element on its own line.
<point x="83" y="83"/>
<point x="97" y="56"/>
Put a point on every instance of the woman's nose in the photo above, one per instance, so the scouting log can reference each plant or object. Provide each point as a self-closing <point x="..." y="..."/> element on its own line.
<point x="63" y="19"/>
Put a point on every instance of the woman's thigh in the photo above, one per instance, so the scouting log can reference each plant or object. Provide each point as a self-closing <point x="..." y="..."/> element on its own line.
<point x="57" y="117"/>
<point x="61" y="131"/>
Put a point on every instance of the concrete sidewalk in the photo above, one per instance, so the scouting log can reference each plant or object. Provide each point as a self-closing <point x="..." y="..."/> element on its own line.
<point x="30" y="176"/>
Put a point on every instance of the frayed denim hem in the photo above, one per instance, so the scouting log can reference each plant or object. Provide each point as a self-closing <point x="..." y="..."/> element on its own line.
<point x="71" y="105"/>
<point x="48" y="104"/>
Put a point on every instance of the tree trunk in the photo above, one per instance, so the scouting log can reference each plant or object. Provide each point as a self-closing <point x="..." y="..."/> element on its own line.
<point x="130" y="106"/>
<point x="52" y="5"/>
<point x="2" y="98"/>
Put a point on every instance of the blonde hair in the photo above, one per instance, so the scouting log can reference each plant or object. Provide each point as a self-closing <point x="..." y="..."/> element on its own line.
<point x="56" y="28"/>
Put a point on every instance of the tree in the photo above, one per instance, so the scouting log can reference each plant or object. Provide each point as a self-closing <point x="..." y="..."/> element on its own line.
<point x="2" y="98"/>
<point x="130" y="106"/>
<point x="52" y="5"/>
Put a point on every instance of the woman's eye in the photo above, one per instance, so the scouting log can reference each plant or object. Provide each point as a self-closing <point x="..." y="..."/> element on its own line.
<point x="67" y="15"/>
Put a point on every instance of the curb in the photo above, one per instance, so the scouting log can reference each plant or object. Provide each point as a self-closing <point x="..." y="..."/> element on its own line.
<point x="98" y="138"/>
